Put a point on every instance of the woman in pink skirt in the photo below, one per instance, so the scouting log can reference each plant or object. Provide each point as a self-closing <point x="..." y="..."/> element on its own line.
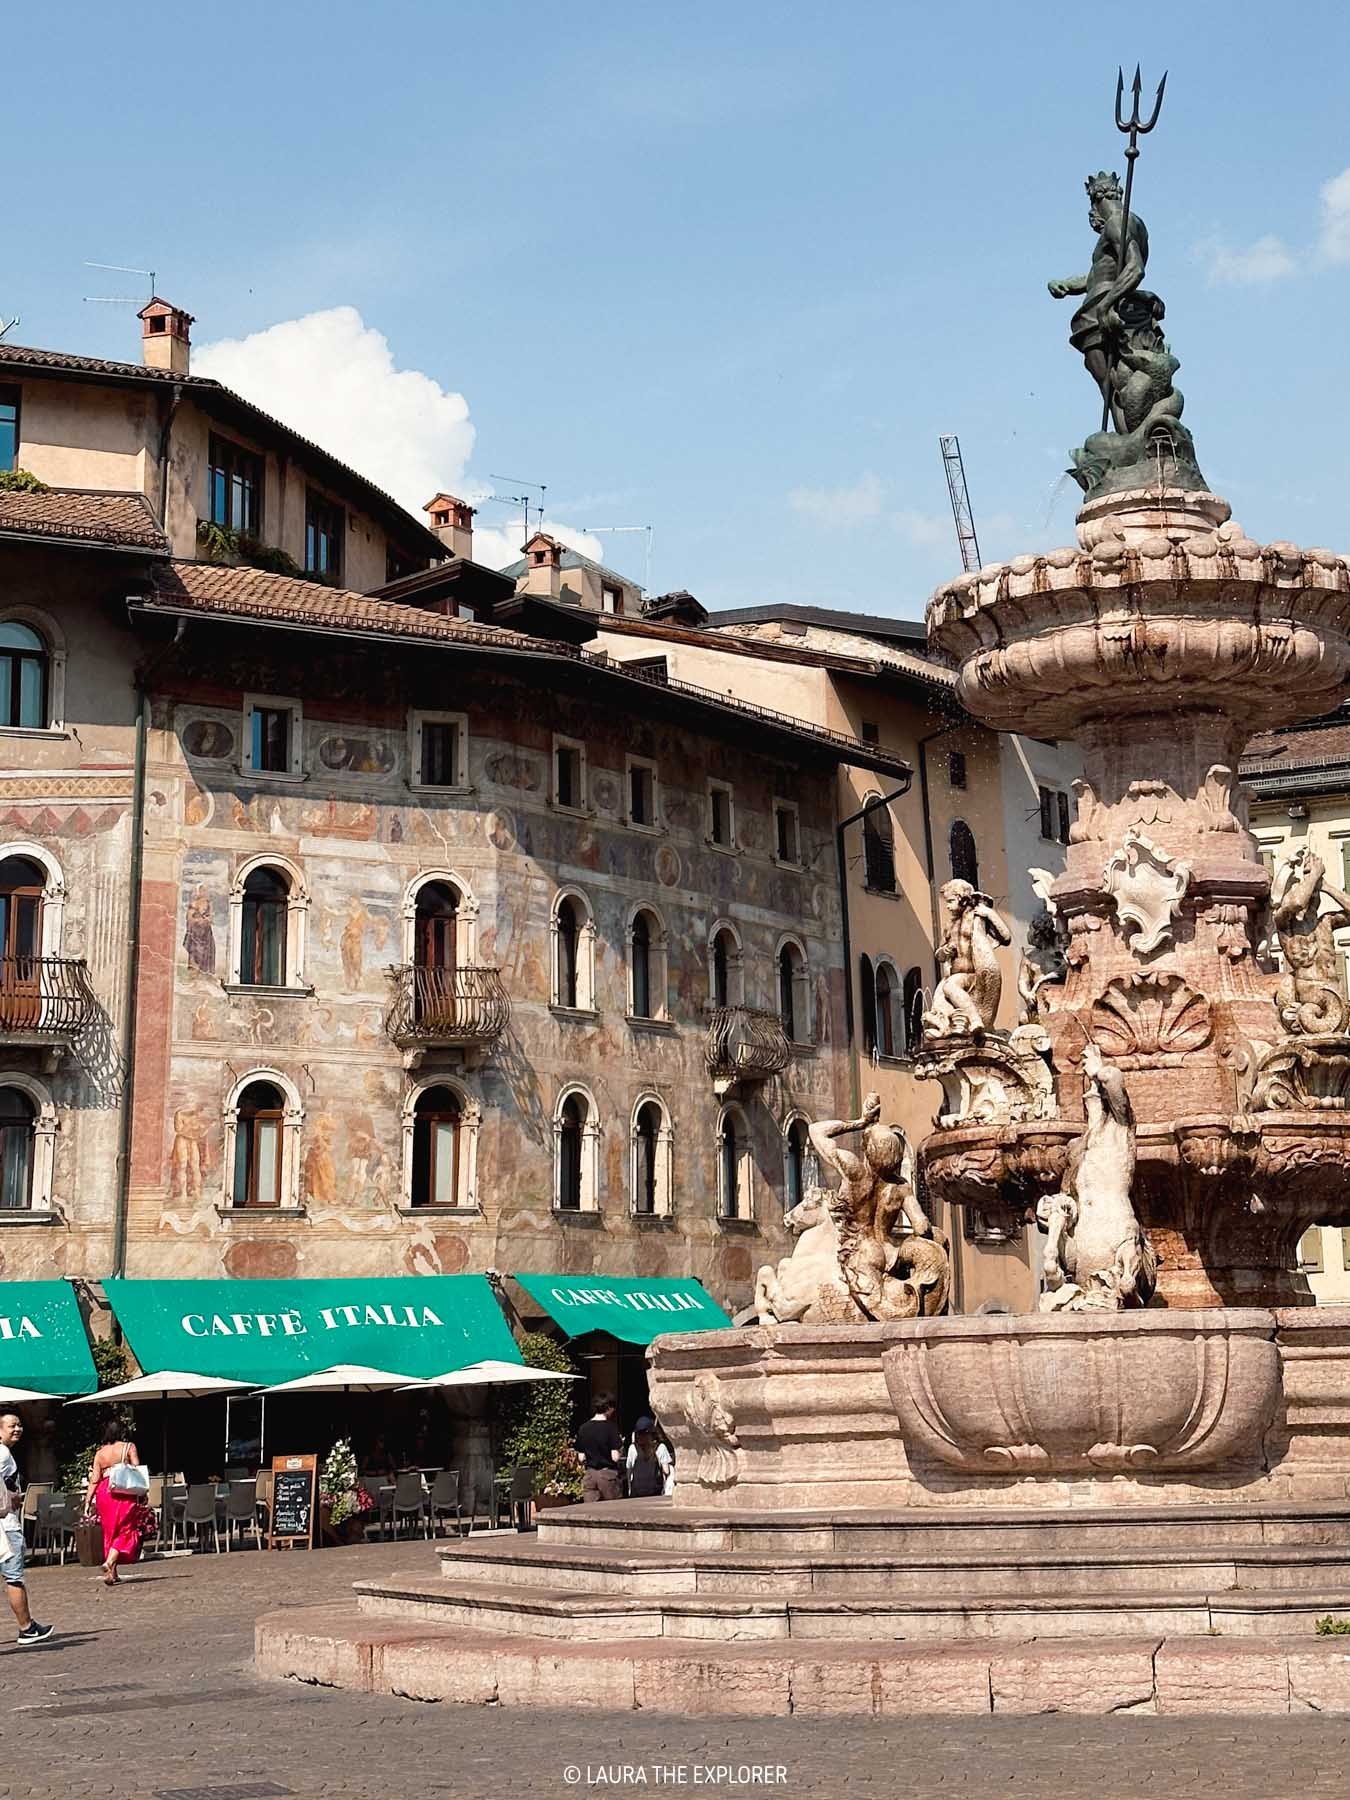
<point x="122" y="1516"/>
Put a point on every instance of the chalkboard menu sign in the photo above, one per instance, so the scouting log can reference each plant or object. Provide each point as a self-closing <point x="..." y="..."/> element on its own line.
<point x="294" y="1479"/>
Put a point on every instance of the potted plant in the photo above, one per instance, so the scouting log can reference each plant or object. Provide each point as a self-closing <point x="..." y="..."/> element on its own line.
<point x="343" y="1502"/>
<point x="537" y="1426"/>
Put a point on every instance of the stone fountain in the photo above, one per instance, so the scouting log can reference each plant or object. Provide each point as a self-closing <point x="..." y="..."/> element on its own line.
<point x="878" y="1503"/>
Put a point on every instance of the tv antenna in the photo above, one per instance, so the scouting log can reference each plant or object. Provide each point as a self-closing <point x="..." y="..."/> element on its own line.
<point x="956" y="487"/>
<point x="120" y="299"/>
<point x="525" y="501"/>
<point x="616" y="530"/>
<point x="8" y="325"/>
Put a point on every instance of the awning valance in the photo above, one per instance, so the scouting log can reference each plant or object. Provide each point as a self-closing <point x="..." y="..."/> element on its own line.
<point x="636" y="1311"/>
<point x="43" y="1344"/>
<point x="269" y="1331"/>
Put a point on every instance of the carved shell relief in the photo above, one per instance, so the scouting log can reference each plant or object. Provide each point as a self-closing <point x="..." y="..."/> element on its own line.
<point x="1147" y="885"/>
<point x="1150" y="1016"/>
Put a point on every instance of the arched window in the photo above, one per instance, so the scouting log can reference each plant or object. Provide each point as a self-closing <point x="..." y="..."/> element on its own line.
<point x="263" y="928"/>
<point x="964" y="858"/>
<point x="23" y="676"/>
<point x="867" y="997"/>
<point x="571" y="1148"/>
<point x="734" y="1200"/>
<point x="258" y="1145"/>
<point x="794" y="1000"/>
<point x="18" y="1135"/>
<point x="797" y="1158"/>
<point x="727" y="971"/>
<point x="879" y="848"/>
<point x="22" y="887"/>
<point x="641" y="964"/>
<point x="886" y="997"/>
<point x="435" y="1155"/>
<point x="647" y="1150"/>
<point x="435" y="953"/>
<point x="573" y="953"/>
<point x="912" y="1005"/>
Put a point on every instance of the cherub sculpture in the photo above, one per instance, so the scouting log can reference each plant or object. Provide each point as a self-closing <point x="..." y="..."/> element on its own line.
<point x="965" y="1003"/>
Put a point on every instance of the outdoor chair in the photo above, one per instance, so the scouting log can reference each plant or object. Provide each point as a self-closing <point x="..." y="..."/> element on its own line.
<point x="31" y="1495"/>
<point x="382" y="1491"/>
<point x="522" y="1496"/>
<point x="174" y="1505"/>
<point x="241" y="1510"/>
<point x="262" y="1498"/>
<point x="410" y="1501"/>
<point x="445" y="1499"/>
<point x="63" y="1514"/>
<point x="199" y="1512"/>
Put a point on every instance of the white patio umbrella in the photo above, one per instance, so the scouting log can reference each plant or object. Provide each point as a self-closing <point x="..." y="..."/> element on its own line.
<point x="342" y="1378"/>
<point x="484" y="1374"/>
<point x="12" y="1396"/>
<point x="167" y="1384"/>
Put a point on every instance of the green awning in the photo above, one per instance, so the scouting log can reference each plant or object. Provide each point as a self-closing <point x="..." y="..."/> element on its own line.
<point x="43" y="1343"/>
<point x="636" y="1311"/>
<point x="266" y="1331"/>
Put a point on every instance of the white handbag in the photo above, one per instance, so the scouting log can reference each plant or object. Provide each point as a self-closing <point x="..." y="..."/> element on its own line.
<point x="128" y="1478"/>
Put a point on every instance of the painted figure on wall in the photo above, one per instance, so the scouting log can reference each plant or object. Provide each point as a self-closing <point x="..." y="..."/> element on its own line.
<point x="199" y="938"/>
<point x="353" y="943"/>
<point x="320" y="1167"/>
<point x="188" y="1156"/>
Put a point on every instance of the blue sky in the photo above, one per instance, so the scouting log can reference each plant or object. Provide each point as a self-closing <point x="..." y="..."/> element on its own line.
<point x="727" y="270"/>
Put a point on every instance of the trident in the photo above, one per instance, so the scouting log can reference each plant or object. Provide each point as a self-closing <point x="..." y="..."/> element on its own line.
<point x="1137" y="128"/>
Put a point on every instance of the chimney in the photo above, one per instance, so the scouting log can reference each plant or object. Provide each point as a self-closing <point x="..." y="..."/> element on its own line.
<point x="451" y="520"/>
<point x="166" y="337"/>
<point x="543" y="567"/>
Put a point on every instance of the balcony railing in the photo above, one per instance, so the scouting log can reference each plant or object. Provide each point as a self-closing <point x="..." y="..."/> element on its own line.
<point x="47" y="999"/>
<point x="745" y="1045"/>
<point x="465" y="1007"/>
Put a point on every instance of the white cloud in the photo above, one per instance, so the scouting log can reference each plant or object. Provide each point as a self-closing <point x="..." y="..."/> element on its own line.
<point x="333" y="378"/>
<point x="1334" y="240"/>
<point x="844" y="507"/>
<point x="1268" y="259"/>
<point x="923" y="529"/>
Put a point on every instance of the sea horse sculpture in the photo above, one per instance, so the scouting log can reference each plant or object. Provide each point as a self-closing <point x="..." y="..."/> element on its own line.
<point x="1098" y="1257"/>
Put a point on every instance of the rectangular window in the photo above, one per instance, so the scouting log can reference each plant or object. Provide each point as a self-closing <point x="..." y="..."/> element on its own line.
<point x="438" y="749"/>
<point x="569" y="774"/>
<point x="235" y="479"/>
<point x="786" y="844"/>
<point x="1063" y="810"/>
<point x="641" y="793"/>
<point x="870" y="733"/>
<point x="721" y="826"/>
<point x="611" y="598"/>
<point x="956" y="768"/>
<point x="9" y="428"/>
<point x="1310" y="1251"/>
<point x="325" y="527"/>
<point x="1046" y="798"/>
<point x="273" y="735"/>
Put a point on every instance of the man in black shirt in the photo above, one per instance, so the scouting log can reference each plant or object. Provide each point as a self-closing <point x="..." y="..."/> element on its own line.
<point x="600" y="1447"/>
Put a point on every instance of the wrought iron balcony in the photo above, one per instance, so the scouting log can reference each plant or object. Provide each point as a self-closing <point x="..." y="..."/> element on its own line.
<point x="464" y="1008"/>
<point x="45" y="999"/>
<point x="745" y="1045"/>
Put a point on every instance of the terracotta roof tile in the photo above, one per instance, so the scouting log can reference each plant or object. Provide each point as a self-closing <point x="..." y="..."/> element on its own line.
<point x="253" y="594"/>
<point x="1271" y="750"/>
<point x="121" y="519"/>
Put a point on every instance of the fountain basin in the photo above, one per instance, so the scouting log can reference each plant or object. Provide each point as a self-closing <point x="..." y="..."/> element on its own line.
<point x="1087" y="1394"/>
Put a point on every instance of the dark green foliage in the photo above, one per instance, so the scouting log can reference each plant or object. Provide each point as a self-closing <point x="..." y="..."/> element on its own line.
<point x="19" y="481"/>
<point x="537" y="1422"/>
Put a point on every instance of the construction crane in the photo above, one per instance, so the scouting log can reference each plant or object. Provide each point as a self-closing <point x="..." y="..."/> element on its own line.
<point x="956" y="487"/>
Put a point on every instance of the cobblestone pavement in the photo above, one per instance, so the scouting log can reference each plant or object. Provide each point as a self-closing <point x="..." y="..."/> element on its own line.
<point x="150" y="1689"/>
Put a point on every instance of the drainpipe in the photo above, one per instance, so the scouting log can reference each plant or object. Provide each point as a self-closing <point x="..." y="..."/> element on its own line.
<point x="131" y="983"/>
<point x="854" y="1075"/>
<point x="942" y="730"/>
<point x="175" y="401"/>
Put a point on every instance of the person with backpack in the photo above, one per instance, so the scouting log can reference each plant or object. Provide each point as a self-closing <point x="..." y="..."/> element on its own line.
<point x="650" y="1467"/>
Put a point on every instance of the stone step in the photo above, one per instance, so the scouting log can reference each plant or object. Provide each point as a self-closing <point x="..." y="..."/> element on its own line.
<point x="1169" y="1674"/>
<point x="660" y="1525"/>
<point x="571" y="1615"/>
<point x="973" y="1571"/>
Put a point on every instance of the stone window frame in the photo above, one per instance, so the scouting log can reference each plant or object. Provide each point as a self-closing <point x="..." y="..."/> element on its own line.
<point x="735" y="964"/>
<point x="810" y="1161"/>
<point x="743" y="1211"/>
<point x="794" y="811"/>
<point x="585" y="995"/>
<point x="803" y="1034"/>
<point x="727" y="846"/>
<point x="274" y="703"/>
<point x="466" y="1172"/>
<point x="631" y="762"/>
<point x="579" y="808"/>
<point x="54" y="638"/>
<point x="53" y="921"/>
<point x="665" y="1158"/>
<point x="658" y="966"/>
<point x="297" y="923"/>
<point x="418" y="716"/>
<point x="899" y="1050"/>
<point x="590" y="1150"/>
<point x="41" y="1206"/>
<point x="466" y="915"/>
<point x="292" y="1127"/>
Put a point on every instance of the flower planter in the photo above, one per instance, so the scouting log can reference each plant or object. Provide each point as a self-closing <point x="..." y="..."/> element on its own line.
<point x="543" y="1502"/>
